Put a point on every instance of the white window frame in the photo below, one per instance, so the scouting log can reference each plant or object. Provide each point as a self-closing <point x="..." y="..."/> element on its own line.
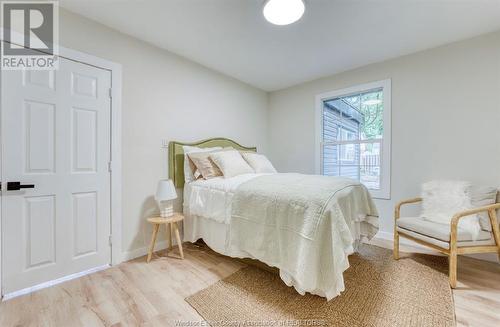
<point x="343" y="153"/>
<point x="385" y="156"/>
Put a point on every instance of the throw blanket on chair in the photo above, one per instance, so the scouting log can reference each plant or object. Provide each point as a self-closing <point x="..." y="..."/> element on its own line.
<point x="305" y="225"/>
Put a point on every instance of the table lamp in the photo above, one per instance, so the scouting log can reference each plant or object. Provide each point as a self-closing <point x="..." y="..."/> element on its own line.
<point x="165" y="193"/>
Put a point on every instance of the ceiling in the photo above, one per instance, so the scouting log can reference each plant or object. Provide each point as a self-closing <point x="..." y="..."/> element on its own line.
<point x="232" y="36"/>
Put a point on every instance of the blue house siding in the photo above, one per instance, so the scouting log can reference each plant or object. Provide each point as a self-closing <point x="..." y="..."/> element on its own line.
<point x="339" y="115"/>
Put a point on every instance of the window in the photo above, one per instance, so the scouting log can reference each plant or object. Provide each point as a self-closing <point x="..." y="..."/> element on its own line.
<point x="354" y="134"/>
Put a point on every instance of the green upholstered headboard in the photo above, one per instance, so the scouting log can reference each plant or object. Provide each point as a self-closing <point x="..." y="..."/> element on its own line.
<point x="176" y="155"/>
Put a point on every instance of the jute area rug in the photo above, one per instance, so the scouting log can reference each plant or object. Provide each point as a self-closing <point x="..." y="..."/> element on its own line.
<point x="380" y="291"/>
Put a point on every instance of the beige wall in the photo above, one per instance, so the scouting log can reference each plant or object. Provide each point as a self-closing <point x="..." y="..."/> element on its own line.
<point x="164" y="97"/>
<point x="445" y="117"/>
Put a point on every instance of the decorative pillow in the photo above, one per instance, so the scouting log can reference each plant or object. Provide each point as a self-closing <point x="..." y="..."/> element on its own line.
<point x="258" y="162"/>
<point x="483" y="196"/>
<point x="189" y="167"/>
<point x="231" y="163"/>
<point x="205" y="167"/>
<point x="443" y="199"/>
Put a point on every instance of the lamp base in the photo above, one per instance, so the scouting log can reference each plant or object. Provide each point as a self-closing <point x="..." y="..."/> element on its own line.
<point x="167" y="211"/>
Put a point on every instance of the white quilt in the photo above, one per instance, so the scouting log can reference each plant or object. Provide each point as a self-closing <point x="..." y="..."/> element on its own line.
<point x="303" y="224"/>
<point x="212" y="198"/>
<point x="306" y="225"/>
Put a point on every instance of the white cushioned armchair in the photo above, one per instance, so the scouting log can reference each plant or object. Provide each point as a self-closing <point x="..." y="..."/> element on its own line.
<point x="446" y="239"/>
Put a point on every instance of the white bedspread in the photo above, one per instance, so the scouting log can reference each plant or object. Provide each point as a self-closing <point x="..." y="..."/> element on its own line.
<point x="212" y="198"/>
<point x="305" y="225"/>
<point x="318" y="224"/>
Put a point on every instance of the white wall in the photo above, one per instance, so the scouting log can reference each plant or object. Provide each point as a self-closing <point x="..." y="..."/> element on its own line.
<point x="445" y="117"/>
<point x="164" y="97"/>
<point x="445" y="114"/>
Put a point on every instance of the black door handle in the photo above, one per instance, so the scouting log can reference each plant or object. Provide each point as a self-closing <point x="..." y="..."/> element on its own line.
<point x="16" y="186"/>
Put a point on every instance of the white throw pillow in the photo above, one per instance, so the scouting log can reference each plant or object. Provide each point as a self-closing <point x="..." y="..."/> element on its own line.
<point x="258" y="162"/>
<point x="231" y="163"/>
<point x="189" y="167"/>
<point x="483" y="196"/>
<point x="443" y="199"/>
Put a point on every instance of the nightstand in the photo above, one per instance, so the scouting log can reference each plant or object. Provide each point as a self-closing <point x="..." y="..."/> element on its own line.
<point x="174" y="228"/>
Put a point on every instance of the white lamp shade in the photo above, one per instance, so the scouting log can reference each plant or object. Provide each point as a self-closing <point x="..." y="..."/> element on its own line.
<point x="165" y="190"/>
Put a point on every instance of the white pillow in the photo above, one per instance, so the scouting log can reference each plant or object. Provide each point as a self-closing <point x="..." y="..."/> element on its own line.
<point x="483" y="196"/>
<point x="258" y="162"/>
<point x="231" y="163"/>
<point x="189" y="167"/>
<point x="443" y="199"/>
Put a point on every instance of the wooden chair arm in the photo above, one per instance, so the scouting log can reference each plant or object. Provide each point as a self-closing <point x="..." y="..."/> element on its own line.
<point x="469" y="212"/>
<point x="397" y="209"/>
<point x="456" y="218"/>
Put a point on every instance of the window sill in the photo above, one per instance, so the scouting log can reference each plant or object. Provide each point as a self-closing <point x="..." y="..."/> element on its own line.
<point x="380" y="194"/>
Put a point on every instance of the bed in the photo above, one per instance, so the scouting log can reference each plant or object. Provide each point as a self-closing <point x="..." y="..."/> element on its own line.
<point x="304" y="225"/>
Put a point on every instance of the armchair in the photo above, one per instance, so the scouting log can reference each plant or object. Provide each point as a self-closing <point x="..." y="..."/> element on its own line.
<point x="450" y="242"/>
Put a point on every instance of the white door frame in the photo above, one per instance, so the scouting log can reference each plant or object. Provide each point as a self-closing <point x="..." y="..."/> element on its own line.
<point x="116" y="147"/>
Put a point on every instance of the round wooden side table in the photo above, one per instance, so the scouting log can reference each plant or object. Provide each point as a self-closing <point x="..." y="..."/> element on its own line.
<point x="174" y="228"/>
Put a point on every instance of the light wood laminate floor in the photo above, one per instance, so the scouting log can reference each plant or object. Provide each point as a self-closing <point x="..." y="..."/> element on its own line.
<point x="135" y="293"/>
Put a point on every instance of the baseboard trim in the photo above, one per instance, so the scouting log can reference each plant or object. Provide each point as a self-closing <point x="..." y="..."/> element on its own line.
<point x="136" y="253"/>
<point x="386" y="240"/>
<point x="31" y="289"/>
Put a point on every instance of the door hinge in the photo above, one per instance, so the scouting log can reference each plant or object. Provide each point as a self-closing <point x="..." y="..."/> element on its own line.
<point x="110" y="93"/>
<point x="109" y="166"/>
<point x="110" y="240"/>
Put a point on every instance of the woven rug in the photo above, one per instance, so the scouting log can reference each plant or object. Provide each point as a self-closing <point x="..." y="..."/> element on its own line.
<point x="380" y="291"/>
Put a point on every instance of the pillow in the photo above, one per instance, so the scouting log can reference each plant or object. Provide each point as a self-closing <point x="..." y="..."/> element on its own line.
<point x="231" y="163"/>
<point x="258" y="162"/>
<point x="443" y="199"/>
<point x="189" y="167"/>
<point x="204" y="165"/>
<point x="483" y="196"/>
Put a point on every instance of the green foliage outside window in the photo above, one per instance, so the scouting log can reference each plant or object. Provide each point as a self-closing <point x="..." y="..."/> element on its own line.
<point x="371" y="105"/>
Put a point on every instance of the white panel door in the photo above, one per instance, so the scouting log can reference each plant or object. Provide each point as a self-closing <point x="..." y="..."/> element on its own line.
<point x="56" y="137"/>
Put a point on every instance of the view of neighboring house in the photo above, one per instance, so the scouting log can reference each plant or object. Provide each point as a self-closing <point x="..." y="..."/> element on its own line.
<point x="348" y="123"/>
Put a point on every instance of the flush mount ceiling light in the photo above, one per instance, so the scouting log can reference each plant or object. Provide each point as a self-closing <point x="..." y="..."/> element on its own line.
<point x="283" y="12"/>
